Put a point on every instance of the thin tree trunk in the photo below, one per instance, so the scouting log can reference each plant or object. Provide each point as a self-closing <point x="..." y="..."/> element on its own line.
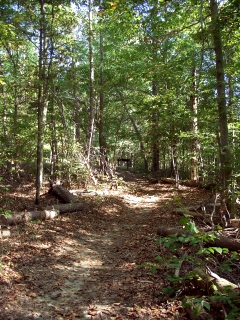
<point x="91" y="94"/>
<point x="77" y="131"/>
<point x="175" y="165"/>
<point x="102" y="140"/>
<point x="194" y="128"/>
<point x="54" y="147"/>
<point x="224" y="148"/>
<point x="43" y="91"/>
<point x="155" y="142"/>
<point x="4" y="103"/>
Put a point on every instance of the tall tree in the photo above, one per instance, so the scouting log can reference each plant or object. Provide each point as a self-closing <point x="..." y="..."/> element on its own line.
<point x="194" y="128"/>
<point x="223" y="139"/>
<point x="91" y="79"/>
<point x="44" y="74"/>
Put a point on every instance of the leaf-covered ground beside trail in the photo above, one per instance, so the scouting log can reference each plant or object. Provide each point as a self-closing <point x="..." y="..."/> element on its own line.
<point x="88" y="265"/>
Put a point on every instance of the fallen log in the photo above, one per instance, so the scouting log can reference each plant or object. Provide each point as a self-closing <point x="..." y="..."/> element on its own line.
<point x="206" y="280"/>
<point x="187" y="183"/>
<point x="22" y="217"/>
<point x="168" y="180"/>
<point x="223" y="242"/>
<point x="63" y="194"/>
<point x="67" y="207"/>
<point x="46" y="213"/>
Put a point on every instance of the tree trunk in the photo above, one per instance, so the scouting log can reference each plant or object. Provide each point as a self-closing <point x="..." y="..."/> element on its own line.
<point x="194" y="128"/>
<point x="22" y="217"/>
<point x="175" y="165"/>
<point x="46" y="213"/>
<point x="100" y="124"/>
<point x="4" y="118"/>
<point x="63" y="194"/>
<point x="155" y="135"/>
<point x="91" y="70"/>
<point x="42" y="99"/>
<point x="224" y="149"/>
<point x="77" y="104"/>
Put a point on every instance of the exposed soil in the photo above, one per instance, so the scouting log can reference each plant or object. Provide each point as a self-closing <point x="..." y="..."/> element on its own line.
<point x="89" y="264"/>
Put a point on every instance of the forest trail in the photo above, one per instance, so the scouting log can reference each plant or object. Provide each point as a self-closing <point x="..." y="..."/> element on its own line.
<point x="89" y="265"/>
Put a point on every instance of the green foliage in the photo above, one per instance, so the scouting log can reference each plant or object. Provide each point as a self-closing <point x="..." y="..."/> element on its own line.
<point x="5" y="213"/>
<point x="143" y="43"/>
<point x="196" y="304"/>
<point x="199" y="255"/>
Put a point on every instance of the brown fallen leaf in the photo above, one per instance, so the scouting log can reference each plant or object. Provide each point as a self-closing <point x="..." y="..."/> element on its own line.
<point x="31" y="294"/>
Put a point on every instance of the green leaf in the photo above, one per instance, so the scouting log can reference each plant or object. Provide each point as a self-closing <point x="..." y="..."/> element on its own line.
<point x="158" y="259"/>
<point x="219" y="250"/>
<point x="154" y="269"/>
<point x="211" y="250"/>
<point x="192" y="227"/>
<point x="183" y="221"/>
<point x="206" y="305"/>
<point x="214" y="287"/>
<point x="203" y="251"/>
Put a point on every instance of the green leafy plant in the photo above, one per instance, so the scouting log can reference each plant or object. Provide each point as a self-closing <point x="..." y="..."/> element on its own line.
<point x="198" y="255"/>
<point x="5" y="213"/>
<point x="196" y="304"/>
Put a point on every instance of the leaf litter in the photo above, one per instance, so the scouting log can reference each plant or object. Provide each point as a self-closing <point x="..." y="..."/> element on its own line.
<point x="89" y="264"/>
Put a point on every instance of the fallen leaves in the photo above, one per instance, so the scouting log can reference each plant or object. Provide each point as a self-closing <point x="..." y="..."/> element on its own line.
<point x="87" y="264"/>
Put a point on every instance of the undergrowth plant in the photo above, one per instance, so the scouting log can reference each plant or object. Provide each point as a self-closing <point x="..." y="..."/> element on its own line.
<point x="193" y="247"/>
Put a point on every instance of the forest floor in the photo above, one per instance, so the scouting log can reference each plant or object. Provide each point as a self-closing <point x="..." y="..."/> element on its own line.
<point x="90" y="264"/>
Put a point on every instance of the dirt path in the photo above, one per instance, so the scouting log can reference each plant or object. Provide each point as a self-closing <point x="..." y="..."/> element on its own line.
<point x="87" y="265"/>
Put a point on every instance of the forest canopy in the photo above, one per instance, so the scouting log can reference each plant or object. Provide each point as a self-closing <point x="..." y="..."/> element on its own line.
<point x="86" y="83"/>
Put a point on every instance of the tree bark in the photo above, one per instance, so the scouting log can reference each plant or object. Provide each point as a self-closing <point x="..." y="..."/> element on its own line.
<point x="155" y="135"/>
<point x="22" y="217"/>
<point x="194" y="128"/>
<point x="100" y="124"/>
<point x="223" y="139"/>
<point x="63" y="194"/>
<point x="45" y="54"/>
<point x="91" y="70"/>
<point x="47" y="213"/>
<point x="175" y="164"/>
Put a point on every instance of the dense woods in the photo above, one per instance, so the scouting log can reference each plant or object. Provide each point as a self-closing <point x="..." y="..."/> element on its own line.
<point x="84" y="83"/>
<point x="127" y="94"/>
